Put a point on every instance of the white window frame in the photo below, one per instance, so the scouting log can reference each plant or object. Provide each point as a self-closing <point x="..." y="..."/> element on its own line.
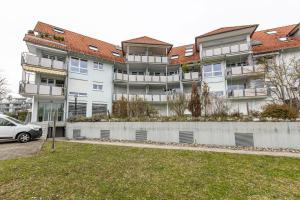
<point x="79" y="67"/>
<point x="173" y="57"/>
<point x="58" y="30"/>
<point x="117" y="54"/>
<point x="93" y="47"/>
<point x="99" y="66"/>
<point x="99" y="86"/>
<point x="212" y="72"/>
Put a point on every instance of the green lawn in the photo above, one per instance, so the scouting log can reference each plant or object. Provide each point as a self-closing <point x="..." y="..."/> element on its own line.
<point x="84" y="171"/>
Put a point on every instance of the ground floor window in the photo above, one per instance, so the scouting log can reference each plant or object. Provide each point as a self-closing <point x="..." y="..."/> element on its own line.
<point x="99" y="109"/>
<point x="46" y="111"/>
<point x="78" y="109"/>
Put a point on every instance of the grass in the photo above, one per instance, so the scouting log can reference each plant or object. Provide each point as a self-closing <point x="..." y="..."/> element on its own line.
<point x="86" y="171"/>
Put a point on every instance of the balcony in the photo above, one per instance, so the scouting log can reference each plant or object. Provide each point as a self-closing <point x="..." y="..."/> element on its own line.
<point x="221" y="51"/>
<point x="190" y="76"/>
<point x="148" y="59"/>
<point x="30" y="89"/>
<point x="159" y="98"/>
<point x="245" y="71"/>
<point x="247" y="93"/>
<point x="30" y="60"/>
<point x="146" y="78"/>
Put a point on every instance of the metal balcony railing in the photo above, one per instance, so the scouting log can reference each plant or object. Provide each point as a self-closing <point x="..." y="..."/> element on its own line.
<point x="33" y="60"/>
<point x="37" y="89"/>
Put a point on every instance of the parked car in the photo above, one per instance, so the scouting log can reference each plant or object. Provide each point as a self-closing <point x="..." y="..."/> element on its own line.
<point x="13" y="129"/>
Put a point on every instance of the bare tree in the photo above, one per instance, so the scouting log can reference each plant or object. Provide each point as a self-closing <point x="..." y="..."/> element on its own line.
<point x="195" y="103"/>
<point x="178" y="104"/>
<point x="205" y="98"/>
<point x="3" y="87"/>
<point x="220" y="106"/>
<point x="282" y="76"/>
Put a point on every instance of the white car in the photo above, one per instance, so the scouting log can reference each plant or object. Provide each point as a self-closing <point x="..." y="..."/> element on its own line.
<point x="13" y="129"/>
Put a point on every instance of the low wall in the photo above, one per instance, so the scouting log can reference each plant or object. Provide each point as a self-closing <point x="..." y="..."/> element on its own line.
<point x="258" y="134"/>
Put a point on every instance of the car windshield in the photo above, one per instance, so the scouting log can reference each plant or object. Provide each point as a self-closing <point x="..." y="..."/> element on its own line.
<point x="15" y="120"/>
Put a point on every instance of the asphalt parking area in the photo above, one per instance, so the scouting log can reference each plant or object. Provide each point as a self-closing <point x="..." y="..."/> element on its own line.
<point x="12" y="149"/>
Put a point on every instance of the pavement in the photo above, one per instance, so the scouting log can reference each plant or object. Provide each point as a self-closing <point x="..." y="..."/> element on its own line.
<point x="206" y="149"/>
<point x="13" y="149"/>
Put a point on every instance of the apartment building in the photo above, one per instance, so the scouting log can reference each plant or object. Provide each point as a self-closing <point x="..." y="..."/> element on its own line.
<point x="14" y="104"/>
<point x="74" y="74"/>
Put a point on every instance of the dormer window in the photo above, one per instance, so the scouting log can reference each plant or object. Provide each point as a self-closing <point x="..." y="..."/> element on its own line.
<point x="174" y="57"/>
<point x="283" y="39"/>
<point x="116" y="54"/>
<point x="58" y="30"/>
<point x="271" y="32"/>
<point x="92" y="47"/>
<point x="189" y="51"/>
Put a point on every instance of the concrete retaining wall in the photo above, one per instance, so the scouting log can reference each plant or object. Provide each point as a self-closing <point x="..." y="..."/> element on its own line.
<point x="265" y="134"/>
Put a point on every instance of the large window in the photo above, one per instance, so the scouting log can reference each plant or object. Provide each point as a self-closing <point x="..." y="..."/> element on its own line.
<point x="212" y="70"/>
<point x="98" y="66"/>
<point x="46" y="111"/>
<point x="79" y="109"/>
<point x="79" y="65"/>
<point x="99" y="109"/>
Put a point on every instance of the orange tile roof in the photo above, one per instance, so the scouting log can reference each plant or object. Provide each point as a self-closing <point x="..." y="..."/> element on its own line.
<point x="74" y="42"/>
<point x="271" y="42"/>
<point x="180" y="51"/>
<point x="227" y="29"/>
<point x="78" y="43"/>
<point x="146" y="40"/>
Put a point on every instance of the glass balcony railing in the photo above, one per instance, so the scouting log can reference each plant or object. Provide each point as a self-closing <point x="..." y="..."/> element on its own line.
<point x="33" y="60"/>
<point x="245" y="70"/>
<point x="146" y="78"/>
<point x="31" y="89"/>
<point x="145" y="97"/>
<point x="230" y="49"/>
<point x="247" y="93"/>
<point x="147" y="59"/>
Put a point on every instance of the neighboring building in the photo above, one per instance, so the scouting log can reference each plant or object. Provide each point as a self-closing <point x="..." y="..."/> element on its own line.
<point x="15" y="104"/>
<point x="64" y="70"/>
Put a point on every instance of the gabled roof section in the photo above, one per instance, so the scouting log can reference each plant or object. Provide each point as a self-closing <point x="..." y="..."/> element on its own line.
<point x="271" y="42"/>
<point x="73" y="42"/>
<point x="228" y="29"/>
<point x="146" y="40"/>
<point x="294" y="30"/>
<point x="180" y="51"/>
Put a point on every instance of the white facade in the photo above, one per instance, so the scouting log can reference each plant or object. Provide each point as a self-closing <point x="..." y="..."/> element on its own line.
<point x="76" y="83"/>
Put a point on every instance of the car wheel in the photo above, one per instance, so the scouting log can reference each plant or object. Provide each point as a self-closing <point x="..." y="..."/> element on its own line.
<point x="23" y="137"/>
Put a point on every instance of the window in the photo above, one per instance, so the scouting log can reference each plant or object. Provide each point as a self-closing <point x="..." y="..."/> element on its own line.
<point x="99" y="109"/>
<point x="58" y="30"/>
<point x="116" y="54"/>
<point x="174" y="57"/>
<point x="97" y="87"/>
<point x="271" y="32"/>
<point x="189" y="51"/>
<point x="79" y="65"/>
<point x="4" y="122"/>
<point x="212" y="70"/>
<point x="79" y="94"/>
<point x="218" y="93"/>
<point x="92" y="47"/>
<point x="98" y="66"/>
<point x="79" y="110"/>
<point x="283" y="39"/>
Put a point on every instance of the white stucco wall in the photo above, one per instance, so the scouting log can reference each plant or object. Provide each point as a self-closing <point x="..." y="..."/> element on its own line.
<point x="265" y="134"/>
<point x="84" y="83"/>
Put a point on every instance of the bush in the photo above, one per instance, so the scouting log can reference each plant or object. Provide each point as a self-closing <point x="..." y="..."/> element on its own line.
<point x="279" y="111"/>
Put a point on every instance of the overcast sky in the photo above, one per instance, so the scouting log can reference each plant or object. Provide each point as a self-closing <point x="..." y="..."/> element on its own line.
<point x="174" y="21"/>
